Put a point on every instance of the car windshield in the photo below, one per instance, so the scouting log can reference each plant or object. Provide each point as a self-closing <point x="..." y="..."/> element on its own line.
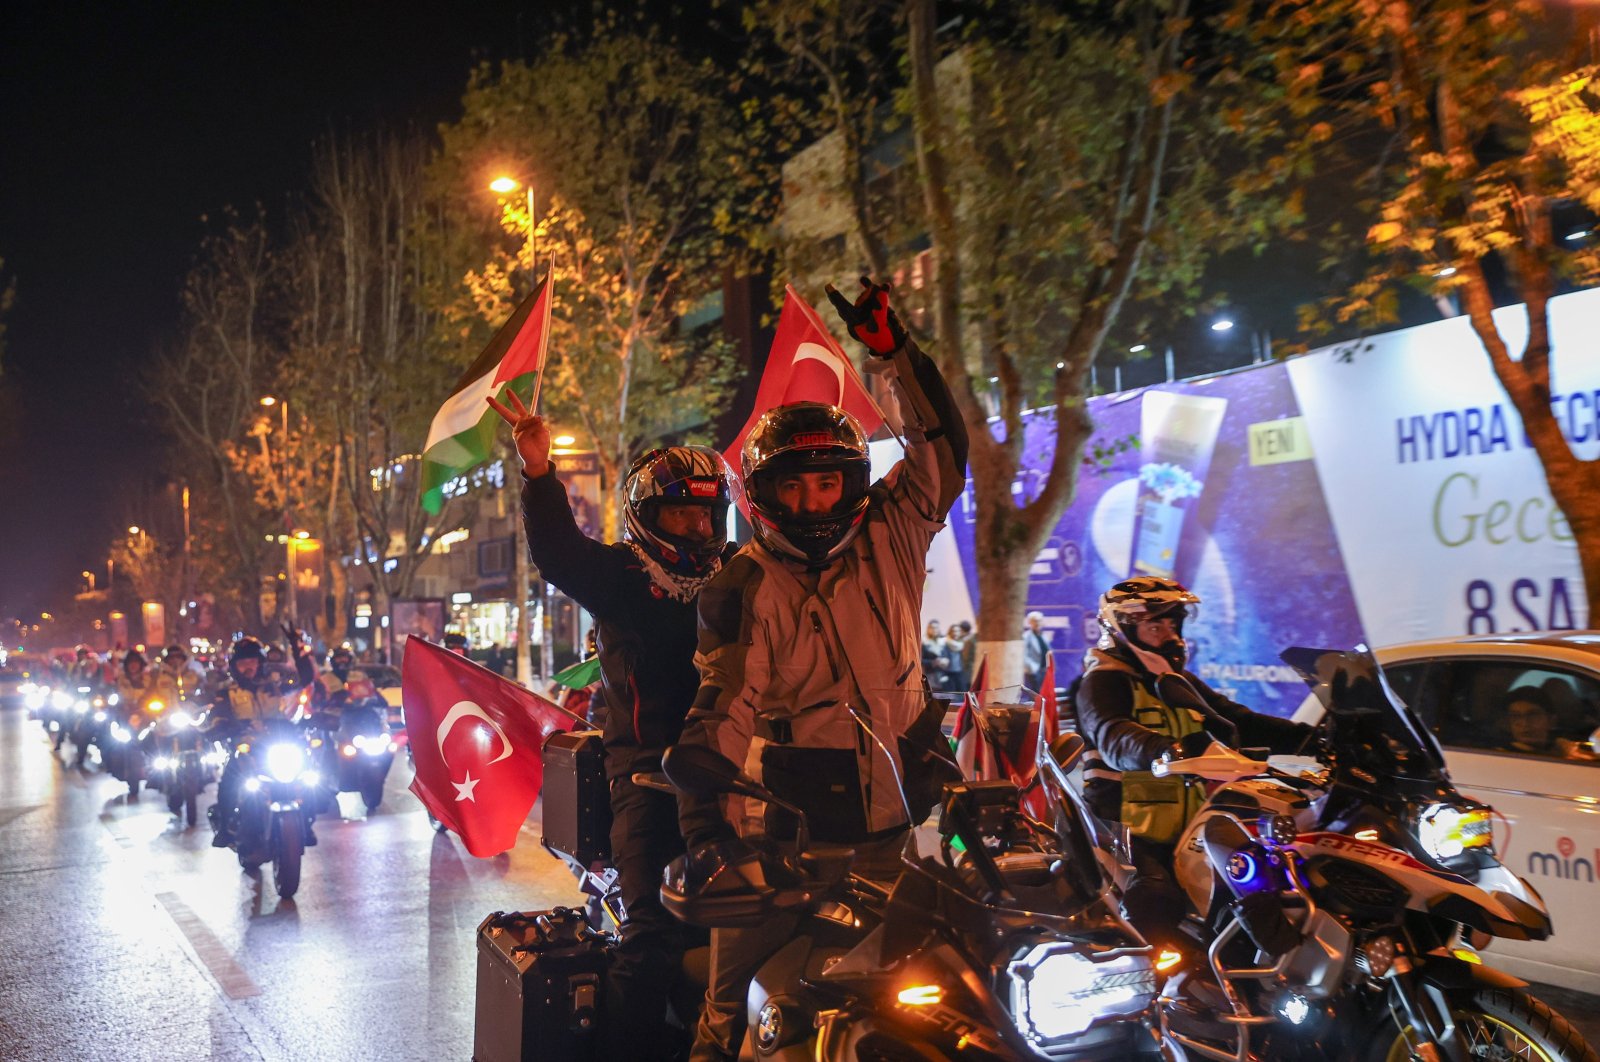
<point x="1370" y="727"/>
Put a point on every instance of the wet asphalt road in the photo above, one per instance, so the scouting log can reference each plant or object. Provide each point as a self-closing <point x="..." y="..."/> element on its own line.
<point x="124" y="936"/>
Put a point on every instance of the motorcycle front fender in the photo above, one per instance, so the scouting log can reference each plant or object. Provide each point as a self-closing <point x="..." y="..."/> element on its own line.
<point x="1448" y="972"/>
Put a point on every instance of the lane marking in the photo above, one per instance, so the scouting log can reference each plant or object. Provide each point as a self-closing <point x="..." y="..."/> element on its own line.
<point x="212" y="953"/>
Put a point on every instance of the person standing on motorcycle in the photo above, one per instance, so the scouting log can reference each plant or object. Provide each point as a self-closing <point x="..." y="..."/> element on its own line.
<point x="1136" y="704"/>
<point x="245" y="704"/>
<point x="641" y="593"/>
<point x="811" y="639"/>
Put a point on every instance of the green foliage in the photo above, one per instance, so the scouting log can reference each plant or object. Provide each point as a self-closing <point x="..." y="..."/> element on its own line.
<point x="644" y="189"/>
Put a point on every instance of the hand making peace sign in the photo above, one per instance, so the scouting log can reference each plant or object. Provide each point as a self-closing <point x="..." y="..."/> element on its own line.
<point x="528" y="431"/>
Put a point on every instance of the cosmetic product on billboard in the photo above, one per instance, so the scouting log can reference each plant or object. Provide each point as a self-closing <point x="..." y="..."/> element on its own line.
<point x="1177" y="434"/>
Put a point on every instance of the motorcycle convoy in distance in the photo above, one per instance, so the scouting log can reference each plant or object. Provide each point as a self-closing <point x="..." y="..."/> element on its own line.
<point x="1340" y="910"/>
<point x="289" y="772"/>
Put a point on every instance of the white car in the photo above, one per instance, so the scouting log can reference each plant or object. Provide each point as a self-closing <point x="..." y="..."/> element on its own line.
<point x="1533" y="757"/>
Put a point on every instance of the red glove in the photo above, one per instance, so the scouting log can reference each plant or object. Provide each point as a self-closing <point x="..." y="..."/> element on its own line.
<point x="870" y="318"/>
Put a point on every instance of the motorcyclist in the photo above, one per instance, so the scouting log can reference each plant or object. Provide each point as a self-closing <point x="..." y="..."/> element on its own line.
<point x="810" y="645"/>
<point x="243" y="706"/>
<point x="456" y="643"/>
<point x="86" y="669"/>
<point x="642" y="593"/>
<point x="332" y="688"/>
<point x="135" y="684"/>
<point x="1136" y="703"/>
<point x="175" y="680"/>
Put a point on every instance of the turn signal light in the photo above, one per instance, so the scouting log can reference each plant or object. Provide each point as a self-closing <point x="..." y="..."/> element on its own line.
<point x="1168" y="959"/>
<point x="316" y="743"/>
<point x="348" y="750"/>
<point x="1467" y="955"/>
<point x="244" y="746"/>
<point x="921" y="995"/>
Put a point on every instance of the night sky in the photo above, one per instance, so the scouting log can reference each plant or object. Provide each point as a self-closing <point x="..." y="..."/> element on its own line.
<point x="121" y="125"/>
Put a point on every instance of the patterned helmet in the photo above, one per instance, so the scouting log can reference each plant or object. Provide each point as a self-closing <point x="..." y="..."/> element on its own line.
<point x="806" y="437"/>
<point x="679" y="475"/>
<point x="1144" y="597"/>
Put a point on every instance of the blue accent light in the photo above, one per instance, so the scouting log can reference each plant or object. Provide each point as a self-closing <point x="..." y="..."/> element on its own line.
<point x="1243" y="868"/>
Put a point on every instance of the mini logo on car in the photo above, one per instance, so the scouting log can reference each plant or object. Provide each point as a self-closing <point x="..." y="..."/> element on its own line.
<point x="1563" y="866"/>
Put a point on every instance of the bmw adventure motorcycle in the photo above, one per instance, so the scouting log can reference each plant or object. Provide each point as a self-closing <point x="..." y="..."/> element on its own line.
<point x="354" y="750"/>
<point x="1341" y="907"/>
<point x="1008" y="945"/>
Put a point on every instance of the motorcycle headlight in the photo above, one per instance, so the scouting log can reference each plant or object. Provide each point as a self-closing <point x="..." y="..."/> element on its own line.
<point x="61" y="699"/>
<point x="35" y="700"/>
<point x="155" y="707"/>
<point x="119" y="732"/>
<point x="1057" y="991"/>
<point x="113" y="699"/>
<point x="100" y="702"/>
<point x="161" y="763"/>
<point x="373" y="745"/>
<point x="1447" y="830"/>
<point x="284" y="762"/>
<point x="99" y="717"/>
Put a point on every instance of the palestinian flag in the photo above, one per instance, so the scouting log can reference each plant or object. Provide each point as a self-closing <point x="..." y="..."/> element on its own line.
<point x="462" y="435"/>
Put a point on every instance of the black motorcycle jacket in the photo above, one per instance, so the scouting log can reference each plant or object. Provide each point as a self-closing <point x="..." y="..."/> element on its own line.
<point x="645" y="639"/>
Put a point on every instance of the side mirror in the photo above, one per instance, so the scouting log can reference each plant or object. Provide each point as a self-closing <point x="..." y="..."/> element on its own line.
<point x="705" y="771"/>
<point x="1067" y="749"/>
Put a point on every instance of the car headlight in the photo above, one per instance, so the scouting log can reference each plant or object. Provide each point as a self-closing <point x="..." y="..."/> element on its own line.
<point x="1447" y="830"/>
<point x="284" y="762"/>
<point x="1057" y="991"/>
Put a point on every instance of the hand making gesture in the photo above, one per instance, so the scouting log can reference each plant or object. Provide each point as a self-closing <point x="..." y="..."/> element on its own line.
<point x="528" y="431"/>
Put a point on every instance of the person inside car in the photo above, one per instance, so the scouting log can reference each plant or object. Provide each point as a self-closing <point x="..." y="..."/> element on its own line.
<point x="1530" y="720"/>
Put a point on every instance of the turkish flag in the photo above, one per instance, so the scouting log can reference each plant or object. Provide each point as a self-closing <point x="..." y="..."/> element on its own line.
<point x="478" y="741"/>
<point x="1034" y="798"/>
<point x="806" y="364"/>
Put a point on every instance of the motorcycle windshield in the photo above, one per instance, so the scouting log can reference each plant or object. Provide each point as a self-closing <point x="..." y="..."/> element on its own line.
<point x="1369" y="725"/>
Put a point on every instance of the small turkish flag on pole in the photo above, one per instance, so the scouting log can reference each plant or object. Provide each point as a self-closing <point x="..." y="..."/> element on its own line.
<point x="1034" y="798"/>
<point x="806" y="364"/>
<point x="478" y="740"/>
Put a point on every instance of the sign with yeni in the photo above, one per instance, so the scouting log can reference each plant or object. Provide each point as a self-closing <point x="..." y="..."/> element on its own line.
<point x="1277" y="442"/>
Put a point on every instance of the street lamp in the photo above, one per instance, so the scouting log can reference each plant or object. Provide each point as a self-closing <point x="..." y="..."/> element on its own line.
<point x="288" y="604"/>
<point x="134" y="529"/>
<point x="504" y="185"/>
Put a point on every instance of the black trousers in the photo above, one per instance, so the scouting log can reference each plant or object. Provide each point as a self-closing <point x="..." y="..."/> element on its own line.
<point x="646" y="969"/>
<point x="1153" y="900"/>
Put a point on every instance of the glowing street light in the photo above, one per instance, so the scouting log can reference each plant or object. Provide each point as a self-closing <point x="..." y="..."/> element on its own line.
<point x="564" y="440"/>
<point x="1221" y="325"/>
<point x="269" y="400"/>
<point x="504" y="185"/>
<point x="133" y="529"/>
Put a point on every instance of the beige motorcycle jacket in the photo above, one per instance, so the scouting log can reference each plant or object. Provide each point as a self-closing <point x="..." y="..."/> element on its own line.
<point x="809" y="679"/>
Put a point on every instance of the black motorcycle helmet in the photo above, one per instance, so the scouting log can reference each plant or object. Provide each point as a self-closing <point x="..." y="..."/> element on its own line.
<point x="245" y="648"/>
<point x="133" y="657"/>
<point x="806" y="437"/>
<point x="456" y="643"/>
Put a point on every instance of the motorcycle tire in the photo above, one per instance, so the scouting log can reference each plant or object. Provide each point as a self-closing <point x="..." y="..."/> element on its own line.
<point x="1490" y="1018"/>
<point x="289" y="846"/>
<point x="372" y="795"/>
<point x="133" y="790"/>
<point x="191" y="808"/>
<point x="175" y="802"/>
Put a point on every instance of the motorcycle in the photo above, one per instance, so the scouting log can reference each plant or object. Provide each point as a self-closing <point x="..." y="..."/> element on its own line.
<point x="89" y="718"/>
<point x="1341" y="907"/>
<point x="277" y="795"/>
<point x="52" y="706"/>
<point x="121" y="752"/>
<point x="354" y="750"/>
<point x="178" y="763"/>
<point x="1011" y="948"/>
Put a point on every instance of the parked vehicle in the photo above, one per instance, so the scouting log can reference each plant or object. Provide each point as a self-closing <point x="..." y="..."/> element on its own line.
<point x="1340" y="910"/>
<point x="1546" y="800"/>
